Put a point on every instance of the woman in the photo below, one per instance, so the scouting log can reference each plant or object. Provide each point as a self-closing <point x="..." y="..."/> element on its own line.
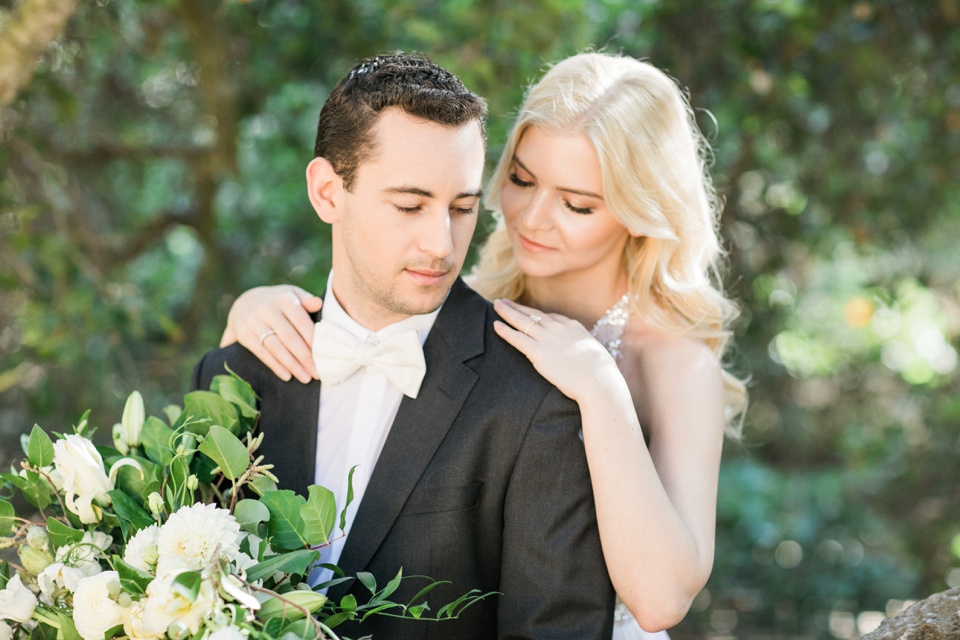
<point x="606" y="218"/>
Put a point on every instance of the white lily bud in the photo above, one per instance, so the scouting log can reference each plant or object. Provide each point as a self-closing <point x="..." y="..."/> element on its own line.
<point x="133" y="416"/>
<point x="155" y="504"/>
<point x="118" y="442"/>
<point x="192" y="482"/>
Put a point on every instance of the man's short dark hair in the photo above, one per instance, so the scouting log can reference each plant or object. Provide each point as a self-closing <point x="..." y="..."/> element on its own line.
<point x="411" y="82"/>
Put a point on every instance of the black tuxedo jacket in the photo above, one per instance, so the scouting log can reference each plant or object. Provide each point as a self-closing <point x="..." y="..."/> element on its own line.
<point x="482" y="481"/>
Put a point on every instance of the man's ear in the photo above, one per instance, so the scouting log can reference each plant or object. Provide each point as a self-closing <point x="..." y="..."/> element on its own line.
<point x="325" y="190"/>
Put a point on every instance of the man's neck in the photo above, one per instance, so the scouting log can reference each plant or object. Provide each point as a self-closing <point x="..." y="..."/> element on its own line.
<point x="364" y="312"/>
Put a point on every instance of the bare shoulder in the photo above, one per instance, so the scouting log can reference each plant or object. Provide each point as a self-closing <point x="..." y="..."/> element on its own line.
<point x="647" y="351"/>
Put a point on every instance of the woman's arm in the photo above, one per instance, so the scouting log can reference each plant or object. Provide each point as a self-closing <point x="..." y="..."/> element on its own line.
<point x="656" y="507"/>
<point x="283" y="310"/>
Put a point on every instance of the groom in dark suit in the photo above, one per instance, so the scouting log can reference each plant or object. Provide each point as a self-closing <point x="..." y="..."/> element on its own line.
<point x="470" y="468"/>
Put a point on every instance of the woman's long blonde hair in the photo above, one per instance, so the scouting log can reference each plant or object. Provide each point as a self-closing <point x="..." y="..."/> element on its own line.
<point x="655" y="182"/>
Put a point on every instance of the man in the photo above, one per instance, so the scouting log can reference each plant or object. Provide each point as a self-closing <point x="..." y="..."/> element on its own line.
<point x="470" y="468"/>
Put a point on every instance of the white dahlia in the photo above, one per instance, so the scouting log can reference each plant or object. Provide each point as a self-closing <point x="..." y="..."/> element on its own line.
<point x="142" y="549"/>
<point x="194" y="536"/>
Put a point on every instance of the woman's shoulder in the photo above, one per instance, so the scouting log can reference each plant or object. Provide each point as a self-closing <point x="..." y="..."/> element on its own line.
<point x="646" y="349"/>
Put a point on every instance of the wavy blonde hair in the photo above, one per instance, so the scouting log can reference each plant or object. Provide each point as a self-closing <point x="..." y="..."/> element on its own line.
<point x="655" y="182"/>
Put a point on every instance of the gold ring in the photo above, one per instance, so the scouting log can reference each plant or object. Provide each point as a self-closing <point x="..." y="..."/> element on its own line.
<point x="267" y="334"/>
<point x="536" y="320"/>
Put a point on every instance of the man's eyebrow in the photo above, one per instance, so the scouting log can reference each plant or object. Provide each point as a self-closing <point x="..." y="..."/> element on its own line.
<point x="417" y="191"/>
<point x="589" y="194"/>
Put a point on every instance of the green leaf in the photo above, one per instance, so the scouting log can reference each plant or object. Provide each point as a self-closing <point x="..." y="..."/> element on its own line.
<point x="60" y="534"/>
<point x="203" y="408"/>
<point x="299" y="630"/>
<point x="7" y="522"/>
<point x="4" y="573"/>
<point x="156" y="439"/>
<point x="187" y="585"/>
<point x="132" y="580"/>
<point x="172" y="412"/>
<point x="227" y="451"/>
<point x="235" y="390"/>
<point x="337" y="619"/>
<point x="391" y="586"/>
<point x="39" y="448"/>
<point x="343" y="514"/>
<point x="309" y="600"/>
<point x="35" y="489"/>
<point x="67" y="628"/>
<point x="348" y="603"/>
<point x="296" y="562"/>
<point x="368" y="581"/>
<point x="250" y="513"/>
<point x="43" y="632"/>
<point x="132" y="517"/>
<point x="285" y="525"/>
<point x="319" y="515"/>
<point x="263" y="485"/>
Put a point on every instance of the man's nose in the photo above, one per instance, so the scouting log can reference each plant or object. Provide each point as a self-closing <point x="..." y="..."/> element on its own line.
<point x="436" y="235"/>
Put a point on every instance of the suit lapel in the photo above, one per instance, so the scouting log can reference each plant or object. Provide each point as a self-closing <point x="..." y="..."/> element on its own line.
<point x="420" y="426"/>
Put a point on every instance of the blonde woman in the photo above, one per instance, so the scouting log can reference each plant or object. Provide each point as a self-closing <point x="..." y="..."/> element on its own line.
<point x="606" y="218"/>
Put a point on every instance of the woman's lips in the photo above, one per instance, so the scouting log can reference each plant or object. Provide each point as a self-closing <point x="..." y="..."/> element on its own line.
<point x="533" y="247"/>
<point x="427" y="276"/>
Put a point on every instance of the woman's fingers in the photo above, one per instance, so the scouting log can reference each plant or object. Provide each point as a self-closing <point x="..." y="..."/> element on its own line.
<point x="296" y="314"/>
<point x="517" y="318"/>
<point x="516" y="339"/>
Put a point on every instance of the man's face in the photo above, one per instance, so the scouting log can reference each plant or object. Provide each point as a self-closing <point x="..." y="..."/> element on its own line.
<point x="404" y="231"/>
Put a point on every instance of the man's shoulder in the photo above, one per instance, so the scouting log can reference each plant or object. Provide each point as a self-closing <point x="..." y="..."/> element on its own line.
<point x="235" y="356"/>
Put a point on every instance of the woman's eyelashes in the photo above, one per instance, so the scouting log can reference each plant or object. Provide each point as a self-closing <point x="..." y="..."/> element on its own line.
<point x="515" y="179"/>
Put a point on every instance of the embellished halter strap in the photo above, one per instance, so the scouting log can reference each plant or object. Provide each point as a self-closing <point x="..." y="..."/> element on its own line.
<point x="610" y="327"/>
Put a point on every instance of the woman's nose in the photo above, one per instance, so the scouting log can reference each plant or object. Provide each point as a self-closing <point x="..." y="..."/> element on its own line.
<point x="537" y="214"/>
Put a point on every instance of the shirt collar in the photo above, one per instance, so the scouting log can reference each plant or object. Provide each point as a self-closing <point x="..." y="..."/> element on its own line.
<point x="335" y="314"/>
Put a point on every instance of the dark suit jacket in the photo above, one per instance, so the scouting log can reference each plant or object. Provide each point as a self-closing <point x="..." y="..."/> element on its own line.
<point x="483" y="481"/>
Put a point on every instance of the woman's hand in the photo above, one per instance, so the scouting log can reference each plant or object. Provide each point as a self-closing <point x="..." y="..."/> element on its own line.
<point x="280" y="316"/>
<point x="561" y="349"/>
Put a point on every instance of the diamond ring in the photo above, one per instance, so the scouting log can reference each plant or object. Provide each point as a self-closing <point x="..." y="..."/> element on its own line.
<point x="536" y="320"/>
<point x="267" y="334"/>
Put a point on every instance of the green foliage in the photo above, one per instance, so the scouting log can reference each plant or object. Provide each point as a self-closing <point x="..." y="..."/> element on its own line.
<point x="319" y="514"/>
<point x="135" y="202"/>
<point x="296" y="562"/>
<point x="286" y="525"/>
<point x="39" y="448"/>
<point x="226" y="450"/>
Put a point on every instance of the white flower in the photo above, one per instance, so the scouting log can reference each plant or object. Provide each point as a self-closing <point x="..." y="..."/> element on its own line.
<point x="141" y="549"/>
<point x="127" y="433"/>
<point x="164" y="606"/>
<point x="232" y="586"/>
<point x="196" y="535"/>
<point x="84" y="477"/>
<point x="16" y="601"/>
<point x="94" y="611"/>
<point x="75" y="562"/>
<point x="227" y="633"/>
<point x="133" y="626"/>
<point x="6" y="633"/>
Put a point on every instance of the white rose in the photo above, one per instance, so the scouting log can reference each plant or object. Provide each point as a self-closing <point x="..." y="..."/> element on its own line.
<point x="133" y="626"/>
<point x="94" y="611"/>
<point x="196" y="535"/>
<point x="164" y="606"/>
<point x="227" y="633"/>
<point x="141" y="551"/>
<point x="6" y="633"/>
<point x="84" y="478"/>
<point x="16" y="601"/>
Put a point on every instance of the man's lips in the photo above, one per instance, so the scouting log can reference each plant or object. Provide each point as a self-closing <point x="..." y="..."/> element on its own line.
<point x="427" y="276"/>
<point x="530" y="245"/>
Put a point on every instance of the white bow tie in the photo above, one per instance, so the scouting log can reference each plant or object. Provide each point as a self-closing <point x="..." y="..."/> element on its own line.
<point x="338" y="355"/>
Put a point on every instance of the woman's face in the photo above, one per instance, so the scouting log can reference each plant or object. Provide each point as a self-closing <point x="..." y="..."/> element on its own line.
<point x="552" y="202"/>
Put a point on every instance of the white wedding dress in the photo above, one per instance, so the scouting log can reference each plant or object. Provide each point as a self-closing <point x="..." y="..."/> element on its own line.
<point x="608" y="332"/>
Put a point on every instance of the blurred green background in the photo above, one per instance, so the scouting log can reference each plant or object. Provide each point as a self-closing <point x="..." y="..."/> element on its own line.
<point x="153" y="169"/>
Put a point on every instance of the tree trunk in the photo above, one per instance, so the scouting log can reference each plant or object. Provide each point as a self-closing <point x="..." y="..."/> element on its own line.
<point x="33" y="25"/>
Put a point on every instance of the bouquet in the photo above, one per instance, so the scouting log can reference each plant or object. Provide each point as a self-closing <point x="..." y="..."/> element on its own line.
<point x="179" y="531"/>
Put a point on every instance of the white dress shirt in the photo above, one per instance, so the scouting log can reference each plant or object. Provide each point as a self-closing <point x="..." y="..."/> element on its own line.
<point x="354" y="420"/>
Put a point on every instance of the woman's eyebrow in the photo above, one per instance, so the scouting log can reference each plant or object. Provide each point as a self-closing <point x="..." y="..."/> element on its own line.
<point x="579" y="192"/>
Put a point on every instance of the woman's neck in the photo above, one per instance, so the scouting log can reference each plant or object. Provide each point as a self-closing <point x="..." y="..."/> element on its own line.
<point x="583" y="296"/>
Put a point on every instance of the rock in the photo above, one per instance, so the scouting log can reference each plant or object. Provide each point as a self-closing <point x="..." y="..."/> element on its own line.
<point x="936" y="618"/>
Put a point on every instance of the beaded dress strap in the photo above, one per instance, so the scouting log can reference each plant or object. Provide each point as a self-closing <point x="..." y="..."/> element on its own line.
<point x="610" y="327"/>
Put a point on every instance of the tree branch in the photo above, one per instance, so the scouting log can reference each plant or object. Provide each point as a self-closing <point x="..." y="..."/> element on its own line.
<point x="33" y="25"/>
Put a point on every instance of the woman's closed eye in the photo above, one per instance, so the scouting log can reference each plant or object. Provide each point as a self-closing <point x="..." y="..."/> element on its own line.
<point x="515" y="179"/>
<point x="581" y="210"/>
